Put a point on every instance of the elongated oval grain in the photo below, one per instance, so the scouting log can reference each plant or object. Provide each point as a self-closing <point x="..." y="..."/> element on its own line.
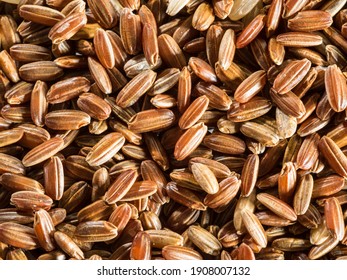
<point x="227" y="49"/>
<point x="291" y="75"/>
<point x="334" y="218"/>
<point x="44" y="229"/>
<point x="320" y="250"/>
<point x="104" y="49"/>
<point x="291" y="244"/>
<point x="66" y="28"/>
<point x="19" y="93"/>
<point x="194" y="112"/>
<point x="43" y="151"/>
<point x="250" y="86"/>
<point x="286" y="125"/>
<point x="333" y="155"/>
<point x="189" y="141"/>
<point x="19" y="236"/>
<point x="287" y="182"/>
<point x="67" y="119"/>
<point x="12" y="215"/>
<point x="203" y="17"/>
<point x="11" y="164"/>
<point x="150" y="43"/>
<point x="95" y="231"/>
<point x="28" y="200"/>
<point x="218" y="98"/>
<point x="98" y="210"/>
<point x="205" y="178"/>
<point x="289" y="103"/>
<point x="172" y="252"/>
<point x="276" y="205"/>
<point x="254" y="227"/>
<point x="170" y="52"/>
<point x="33" y="135"/>
<point x="311" y="125"/>
<point x="40" y="70"/>
<point x="71" y="61"/>
<point x="29" y="53"/>
<point x="260" y="132"/>
<point x="156" y="150"/>
<point x="121" y="216"/>
<point x="228" y="189"/>
<point x="274" y="16"/>
<point x="204" y="240"/>
<point x="327" y="186"/>
<point x="10" y="136"/>
<point x="139" y="190"/>
<point x="165" y="81"/>
<point x="276" y="51"/>
<point x="40" y="14"/>
<point x="104" y="12"/>
<point x="219" y="169"/>
<point x="268" y="218"/>
<point x="54" y="178"/>
<point x="163" y="101"/>
<point x="137" y="87"/>
<point x="120" y="186"/>
<point x="105" y="149"/>
<point x="38" y="103"/>
<point x="202" y="69"/>
<point x="8" y="66"/>
<point x="100" y="75"/>
<point x="252" y="109"/>
<point x="299" y="39"/>
<point x="67" y="244"/>
<point x="308" y="152"/>
<point x="336" y="88"/>
<point x="250" y="31"/>
<point x="67" y="89"/>
<point x="223" y="143"/>
<point x="303" y="194"/>
<point x="130" y="31"/>
<point x="150" y="220"/>
<point x="16" y="182"/>
<point x="164" y="237"/>
<point x="141" y="247"/>
<point x="94" y="106"/>
<point x="184" y="196"/>
<point x="240" y="9"/>
<point x="249" y="174"/>
<point x="151" y="171"/>
<point x="151" y="120"/>
<point x="310" y="21"/>
<point x="214" y="37"/>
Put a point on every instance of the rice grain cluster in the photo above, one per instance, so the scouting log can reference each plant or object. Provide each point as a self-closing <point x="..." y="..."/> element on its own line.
<point x="173" y="129"/>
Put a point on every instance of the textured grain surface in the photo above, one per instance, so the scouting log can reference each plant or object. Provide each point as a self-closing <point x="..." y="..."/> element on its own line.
<point x="178" y="130"/>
